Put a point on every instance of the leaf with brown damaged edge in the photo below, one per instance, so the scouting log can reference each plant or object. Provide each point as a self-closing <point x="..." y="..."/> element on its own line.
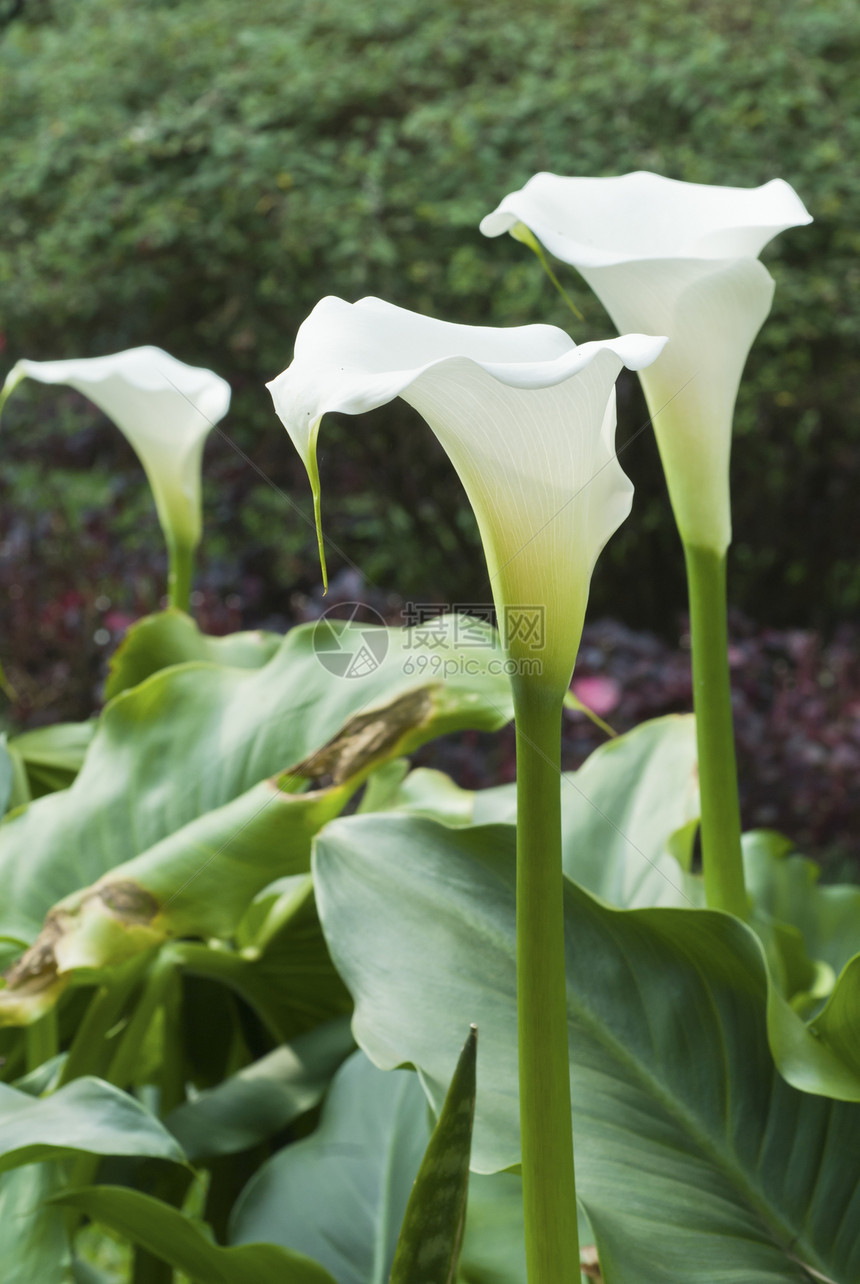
<point x="198" y="881"/>
<point x="194" y="738"/>
<point x="368" y="739"/>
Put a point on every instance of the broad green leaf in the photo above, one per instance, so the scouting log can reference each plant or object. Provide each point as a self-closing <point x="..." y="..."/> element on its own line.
<point x="632" y="805"/>
<point x="838" y="1024"/>
<point x="382" y="785"/>
<point x="44" y="1078"/>
<point x="815" y="935"/>
<point x="53" y="756"/>
<point x="263" y="1097"/>
<point x="340" y="1195"/>
<point x="622" y="812"/>
<point x="175" y="1238"/>
<point x="177" y="888"/>
<point x="786" y="887"/>
<point x="494" y="1247"/>
<point x="425" y="792"/>
<point x="431" y="1236"/>
<point x="263" y="721"/>
<point x="376" y="1125"/>
<point x="273" y="907"/>
<point x="87" y="1116"/>
<point x="34" y="1244"/>
<point x="158" y="837"/>
<point x="172" y="637"/>
<point x="696" y="1161"/>
<point x="629" y="816"/>
<point x="287" y="977"/>
<point x="821" y="1056"/>
<point x="100" y="1256"/>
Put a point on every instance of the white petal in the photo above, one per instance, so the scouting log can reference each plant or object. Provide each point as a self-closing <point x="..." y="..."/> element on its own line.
<point x="527" y="419"/>
<point x="594" y="222"/>
<point x="677" y="259"/>
<point x="712" y="310"/>
<point x="355" y="357"/>
<point x="163" y="407"/>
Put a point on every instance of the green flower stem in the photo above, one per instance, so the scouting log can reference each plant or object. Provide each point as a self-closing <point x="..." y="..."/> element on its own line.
<point x="180" y="571"/>
<point x="42" y="1040"/>
<point x="712" y="702"/>
<point x="125" y="1060"/>
<point x="549" y="1190"/>
<point x="90" y="1050"/>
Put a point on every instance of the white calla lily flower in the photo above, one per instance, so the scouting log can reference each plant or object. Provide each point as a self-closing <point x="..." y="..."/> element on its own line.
<point x="165" y="409"/>
<point x="528" y="421"/>
<point x="678" y="259"/>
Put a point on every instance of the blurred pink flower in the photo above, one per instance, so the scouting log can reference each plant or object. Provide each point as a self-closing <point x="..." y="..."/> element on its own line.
<point x="601" y="695"/>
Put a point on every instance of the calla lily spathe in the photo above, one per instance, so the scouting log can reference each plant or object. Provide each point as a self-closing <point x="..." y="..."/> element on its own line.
<point x="678" y="259"/>
<point x="527" y="419"/>
<point x="163" y="407"/>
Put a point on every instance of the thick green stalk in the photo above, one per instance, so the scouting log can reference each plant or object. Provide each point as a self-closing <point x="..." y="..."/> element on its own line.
<point x="90" y="1051"/>
<point x="125" y="1060"/>
<point x="42" y="1040"/>
<point x="549" y="1190"/>
<point x="712" y="700"/>
<point x="180" y="570"/>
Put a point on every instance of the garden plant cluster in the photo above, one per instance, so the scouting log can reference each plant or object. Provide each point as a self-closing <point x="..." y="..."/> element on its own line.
<point x="279" y="1005"/>
<point x="171" y="174"/>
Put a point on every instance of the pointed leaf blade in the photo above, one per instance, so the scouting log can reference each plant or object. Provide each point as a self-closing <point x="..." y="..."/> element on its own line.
<point x="431" y="1236"/>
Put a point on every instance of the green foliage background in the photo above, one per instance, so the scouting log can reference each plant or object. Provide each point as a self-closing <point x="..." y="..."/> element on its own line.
<point x="198" y="174"/>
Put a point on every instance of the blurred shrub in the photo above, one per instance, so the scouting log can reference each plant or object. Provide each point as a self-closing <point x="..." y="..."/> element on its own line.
<point x="197" y="174"/>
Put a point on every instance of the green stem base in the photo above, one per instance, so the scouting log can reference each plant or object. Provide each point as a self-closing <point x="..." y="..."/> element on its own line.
<point x="712" y="700"/>
<point x="180" y="572"/>
<point x="549" y="1188"/>
<point x="42" y="1040"/>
